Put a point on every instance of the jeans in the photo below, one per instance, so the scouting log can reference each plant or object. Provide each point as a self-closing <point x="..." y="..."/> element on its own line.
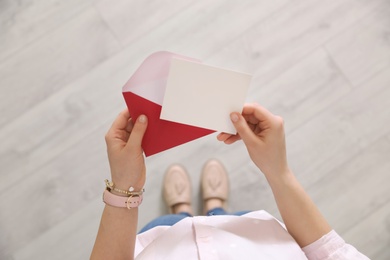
<point x="170" y="220"/>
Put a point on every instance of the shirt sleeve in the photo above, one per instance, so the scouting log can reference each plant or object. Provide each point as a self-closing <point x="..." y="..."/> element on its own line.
<point x="332" y="247"/>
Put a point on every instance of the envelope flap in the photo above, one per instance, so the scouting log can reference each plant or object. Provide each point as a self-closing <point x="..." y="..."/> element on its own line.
<point x="149" y="80"/>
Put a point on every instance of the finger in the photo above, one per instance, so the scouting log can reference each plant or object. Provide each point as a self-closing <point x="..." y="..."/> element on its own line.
<point x="121" y="120"/>
<point x="138" y="132"/>
<point x="259" y="112"/>
<point x="232" y="139"/>
<point x="119" y="124"/>
<point x="251" y="119"/>
<point x="243" y="128"/>
<point x="130" y="125"/>
<point x="223" y="136"/>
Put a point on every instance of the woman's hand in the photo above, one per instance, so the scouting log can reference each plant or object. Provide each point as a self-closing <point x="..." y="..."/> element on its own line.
<point x="263" y="135"/>
<point x="118" y="226"/>
<point x="125" y="153"/>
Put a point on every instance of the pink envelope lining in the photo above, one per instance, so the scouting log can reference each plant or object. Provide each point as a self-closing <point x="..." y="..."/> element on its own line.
<point x="150" y="78"/>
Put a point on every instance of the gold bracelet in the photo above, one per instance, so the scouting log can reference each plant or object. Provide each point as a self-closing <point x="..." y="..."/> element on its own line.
<point x="111" y="186"/>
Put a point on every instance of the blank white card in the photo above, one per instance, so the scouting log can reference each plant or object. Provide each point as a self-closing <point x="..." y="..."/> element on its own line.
<point x="204" y="96"/>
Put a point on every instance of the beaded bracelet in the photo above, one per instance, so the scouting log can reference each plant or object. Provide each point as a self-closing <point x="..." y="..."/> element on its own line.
<point x="111" y="186"/>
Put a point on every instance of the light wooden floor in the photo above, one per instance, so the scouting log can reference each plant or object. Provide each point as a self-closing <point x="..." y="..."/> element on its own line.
<point x="322" y="65"/>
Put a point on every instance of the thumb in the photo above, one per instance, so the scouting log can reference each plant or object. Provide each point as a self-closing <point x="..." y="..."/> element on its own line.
<point x="138" y="132"/>
<point x="242" y="128"/>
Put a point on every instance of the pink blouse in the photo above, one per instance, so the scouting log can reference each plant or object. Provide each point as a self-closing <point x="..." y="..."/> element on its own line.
<point x="256" y="235"/>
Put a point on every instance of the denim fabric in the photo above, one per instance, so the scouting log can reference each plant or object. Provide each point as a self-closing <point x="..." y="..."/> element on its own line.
<point x="221" y="211"/>
<point x="171" y="219"/>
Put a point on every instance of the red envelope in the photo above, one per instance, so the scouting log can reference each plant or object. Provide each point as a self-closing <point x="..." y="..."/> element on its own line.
<point x="144" y="94"/>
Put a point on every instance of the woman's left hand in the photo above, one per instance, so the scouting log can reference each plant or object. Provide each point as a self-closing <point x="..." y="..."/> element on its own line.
<point x="125" y="153"/>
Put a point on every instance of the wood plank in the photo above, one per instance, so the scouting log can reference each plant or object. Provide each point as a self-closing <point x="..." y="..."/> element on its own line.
<point x="59" y="122"/>
<point x="44" y="67"/>
<point x="349" y="194"/>
<point x="284" y="38"/>
<point x="364" y="49"/>
<point x="302" y="92"/>
<point x="71" y="239"/>
<point x="376" y="239"/>
<point x="341" y="131"/>
<point x="22" y="22"/>
<point x="185" y="22"/>
<point x="53" y="192"/>
<point x="130" y="20"/>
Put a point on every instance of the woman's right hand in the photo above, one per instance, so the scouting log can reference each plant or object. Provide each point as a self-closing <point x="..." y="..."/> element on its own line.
<point x="263" y="135"/>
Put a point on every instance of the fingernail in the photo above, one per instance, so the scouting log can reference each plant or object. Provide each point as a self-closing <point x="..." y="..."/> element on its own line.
<point x="234" y="117"/>
<point x="142" y="119"/>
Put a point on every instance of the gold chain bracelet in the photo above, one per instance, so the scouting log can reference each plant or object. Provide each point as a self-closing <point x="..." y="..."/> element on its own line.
<point x="111" y="186"/>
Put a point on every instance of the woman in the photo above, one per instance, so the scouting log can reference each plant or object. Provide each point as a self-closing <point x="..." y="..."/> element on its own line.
<point x="255" y="235"/>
